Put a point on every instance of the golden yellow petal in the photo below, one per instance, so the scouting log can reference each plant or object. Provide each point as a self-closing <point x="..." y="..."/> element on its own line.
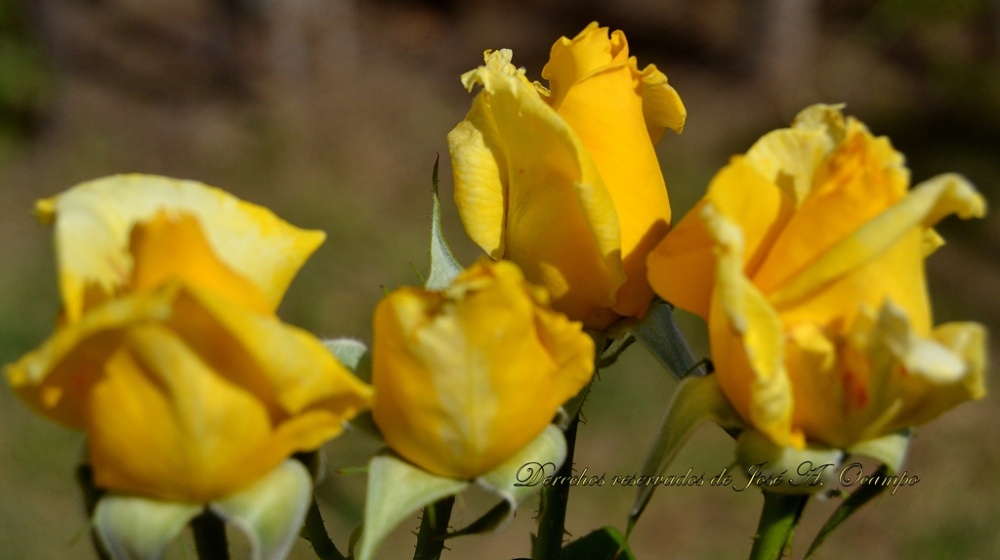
<point x="599" y="93"/>
<point x="55" y="378"/>
<point x="573" y="60"/>
<point x="288" y="369"/>
<point x="682" y="268"/>
<point x="859" y="265"/>
<point x="859" y="180"/>
<point x="820" y="392"/>
<point x="174" y="248"/>
<point x="162" y="424"/>
<point x="661" y="104"/>
<point x="93" y="222"/>
<point x="468" y="376"/>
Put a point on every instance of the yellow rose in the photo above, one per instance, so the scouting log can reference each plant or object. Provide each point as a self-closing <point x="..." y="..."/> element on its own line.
<point x="806" y="258"/>
<point x="168" y="353"/>
<point x="565" y="181"/>
<point x="469" y="375"/>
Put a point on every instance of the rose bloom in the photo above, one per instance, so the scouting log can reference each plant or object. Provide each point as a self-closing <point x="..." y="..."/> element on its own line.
<point x="168" y="353"/>
<point x="806" y="258"/>
<point x="564" y="181"/>
<point x="469" y="375"/>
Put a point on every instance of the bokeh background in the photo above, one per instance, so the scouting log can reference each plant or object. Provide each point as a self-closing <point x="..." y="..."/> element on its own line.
<point x="331" y="112"/>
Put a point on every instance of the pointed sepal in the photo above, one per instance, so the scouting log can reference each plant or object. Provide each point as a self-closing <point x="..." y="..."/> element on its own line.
<point x="138" y="528"/>
<point x="890" y="450"/>
<point x="397" y="490"/>
<point x="521" y="476"/>
<point x="271" y="511"/>
<point x="658" y="332"/>
<point x="786" y="469"/>
<point x="696" y="401"/>
<point x="444" y="267"/>
<point x="355" y="356"/>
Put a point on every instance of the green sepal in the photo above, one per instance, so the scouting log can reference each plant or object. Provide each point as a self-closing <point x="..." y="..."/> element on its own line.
<point x="697" y="400"/>
<point x="397" y="490"/>
<point x="138" y="528"/>
<point x="495" y="517"/>
<point x="271" y="511"/>
<point x="353" y="354"/>
<point x="890" y="450"/>
<point x="787" y="469"/>
<point x="658" y="332"/>
<point x="444" y="266"/>
<point x="606" y="543"/>
<point x="542" y="456"/>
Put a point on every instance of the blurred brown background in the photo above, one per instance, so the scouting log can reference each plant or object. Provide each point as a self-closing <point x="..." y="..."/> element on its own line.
<point x="331" y="112"/>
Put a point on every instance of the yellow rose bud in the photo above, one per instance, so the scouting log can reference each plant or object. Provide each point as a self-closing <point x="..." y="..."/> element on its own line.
<point x="169" y="355"/>
<point x="565" y="181"/>
<point x="469" y="375"/>
<point x="806" y="258"/>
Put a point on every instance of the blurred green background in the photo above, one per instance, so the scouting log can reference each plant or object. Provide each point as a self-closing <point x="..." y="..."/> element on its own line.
<point x="331" y="113"/>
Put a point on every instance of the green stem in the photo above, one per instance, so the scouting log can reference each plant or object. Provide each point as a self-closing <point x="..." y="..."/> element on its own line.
<point x="433" y="528"/>
<point x="210" y="537"/>
<point x="316" y="532"/>
<point x="778" y="518"/>
<point x="552" y="512"/>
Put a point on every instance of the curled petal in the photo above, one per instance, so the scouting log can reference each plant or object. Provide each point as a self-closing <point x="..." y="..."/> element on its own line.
<point x="748" y="341"/>
<point x="94" y="220"/>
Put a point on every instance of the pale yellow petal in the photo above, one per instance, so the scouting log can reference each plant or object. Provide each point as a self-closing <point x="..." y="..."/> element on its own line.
<point x="942" y="372"/>
<point x="562" y="228"/>
<point x="747" y="340"/>
<point x="789" y="158"/>
<point x="93" y="222"/>
<point x="479" y="168"/>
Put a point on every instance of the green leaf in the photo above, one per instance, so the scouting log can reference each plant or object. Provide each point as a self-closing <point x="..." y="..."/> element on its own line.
<point x="444" y="267"/>
<point x="697" y="400"/>
<point x="397" y="490"/>
<point x="521" y="476"/>
<point x="137" y="528"/>
<point x="658" y="332"/>
<point x="890" y="450"/>
<point x="606" y="543"/>
<point x="271" y="511"/>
